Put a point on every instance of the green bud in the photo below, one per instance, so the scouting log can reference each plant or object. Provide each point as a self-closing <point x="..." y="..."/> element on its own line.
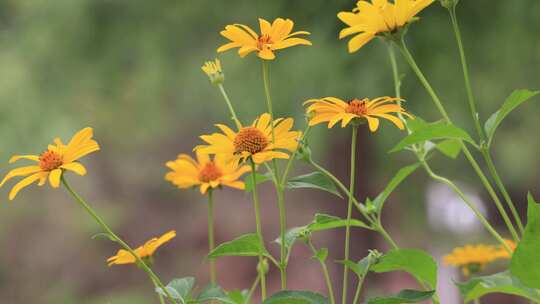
<point x="449" y="4"/>
<point x="263" y="267"/>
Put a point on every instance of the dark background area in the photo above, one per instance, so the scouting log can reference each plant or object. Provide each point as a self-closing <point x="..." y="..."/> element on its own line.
<point x="131" y="70"/>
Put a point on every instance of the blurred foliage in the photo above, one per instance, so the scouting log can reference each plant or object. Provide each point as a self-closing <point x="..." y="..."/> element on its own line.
<point x="131" y="69"/>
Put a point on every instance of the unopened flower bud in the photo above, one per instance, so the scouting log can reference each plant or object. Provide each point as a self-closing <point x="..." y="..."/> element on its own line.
<point x="449" y="4"/>
<point x="213" y="70"/>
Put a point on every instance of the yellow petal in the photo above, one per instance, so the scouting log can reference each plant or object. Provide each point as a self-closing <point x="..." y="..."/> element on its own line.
<point x="22" y="184"/>
<point x="23" y="171"/>
<point x="75" y="167"/>
<point x="54" y="177"/>
<point x="17" y="157"/>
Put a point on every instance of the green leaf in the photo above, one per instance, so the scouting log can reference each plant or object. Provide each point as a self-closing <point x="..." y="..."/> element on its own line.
<point x="321" y="254"/>
<point x="362" y="268"/>
<point x="525" y="263"/>
<point x="214" y="293"/>
<point x="314" y="180"/>
<point x="180" y="289"/>
<point x="404" y="296"/>
<point x="515" y="99"/>
<point x="502" y="282"/>
<point x="296" y="297"/>
<point x="416" y="262"/>
<point x="292" y="235"/>
<point x="450" y="147"/>
<point x="416" y="123"/>
<point x="400" y="176"/>
<point x="245" y="245"/>
<point x="259" y="178"/>
<point x="325" y="221"/>
<point x="238" y="297"/>
<point x="438" y="130"/>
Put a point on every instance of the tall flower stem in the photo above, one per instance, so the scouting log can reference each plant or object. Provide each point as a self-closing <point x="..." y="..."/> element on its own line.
<point x="257" y="207"/>
<point x="354" y="138"/>
<point x="117" y="239"/>
<point x="279" y="187"/>
<point x="412" y="63"/>
<point x="325" y="273"/>
<point x="471" y="205"/>
<point x="229" y="105"/>
<point x="211" y="242"/>
<point x="476" y="118"/>
<point x="160" y="297"/>
<point x="358" y="289"/>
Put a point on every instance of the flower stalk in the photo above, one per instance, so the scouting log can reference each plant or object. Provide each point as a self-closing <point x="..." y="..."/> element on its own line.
<point x="117" y="239"/>
<point x="325" y="272"/>
<point x="230" y="106"/>
<point x="211" y="242"/>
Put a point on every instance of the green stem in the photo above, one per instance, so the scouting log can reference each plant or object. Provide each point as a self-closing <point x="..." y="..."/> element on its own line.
<point x="358" y="289"/>
<point x="476" y="119"/>
<point x="211" y="242"/>
<point x="325" y="273"/>
<point x="471" y="205"/>
<point x="293" y="156"/>
<point x="229" y="105"/>
<point x="252" y="289"/>
<point x="257" y="207"/>
<point x="349" y="213"/>
<point x="160" y="297"/>
<point x="117" y="239"/>
<point x="385" y="235"/>
<point x="278" y="186"/>
<point x="410" y="60"/>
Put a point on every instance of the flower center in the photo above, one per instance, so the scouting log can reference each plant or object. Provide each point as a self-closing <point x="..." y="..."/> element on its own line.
<point x="250" y="139"/>
<point x="210" y="172"/>
<point x="357" y="107"/>
<point x="50" y="160"/>
<point x="263" y="40"/>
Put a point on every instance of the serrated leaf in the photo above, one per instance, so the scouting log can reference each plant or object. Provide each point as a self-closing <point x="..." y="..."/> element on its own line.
<point x="321" y="255"/>
<point x="260" y="178"/>
<point x="450" y="147"/>
<point x="438" y="130"/>
<point x="525" y="264"/>
<point x="296" y="297"/>
<point x="179" y="289"/>
<point x="416" y="262"/>
<point x="325" y="221"/>
<point x="514" y="100"/>
<point x="400" y="176"/>
<point x="214" y="293"/>
<point x="313" y="180"/>
<point x="292" y="235"/>
<point x="502" y="282"/>
<point x="245" y="245"/>
<point x="404" y="296"/>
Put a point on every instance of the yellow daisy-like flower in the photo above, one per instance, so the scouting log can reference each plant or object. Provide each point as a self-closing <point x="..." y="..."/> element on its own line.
<point x="53" y="162"/>
<point x="254" y="141"/>
<point x="472" y="258"/>
<point x="370" y="19"/>
<point x="333" y="110"/>
<point x="145" y="251"/>
<point x="275" y="36"/>
<point x="205" y="172"/>
<point x="213" y="70"/>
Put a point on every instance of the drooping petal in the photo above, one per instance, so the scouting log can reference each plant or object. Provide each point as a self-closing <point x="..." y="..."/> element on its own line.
<point x="23" y="171"/>
<point x="75" y="167"/>
<point x="54" y="177"/>
<point x="22" y="184"/>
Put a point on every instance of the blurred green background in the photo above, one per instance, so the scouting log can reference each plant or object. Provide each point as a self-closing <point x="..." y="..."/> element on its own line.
<point x="131" y="70"/>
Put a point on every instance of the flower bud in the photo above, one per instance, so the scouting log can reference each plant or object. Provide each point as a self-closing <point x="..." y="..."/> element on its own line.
<point x="449" y="4"/>
<point x="213" y="70"/>
<point x="262" y="267"/>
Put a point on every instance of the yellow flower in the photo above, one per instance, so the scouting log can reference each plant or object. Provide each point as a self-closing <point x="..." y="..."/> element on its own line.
<point x="205" y="172"/>
<point x="369" y="19"/>
<point x="472" y="258"/>
<point x="254" y="141"/>
<point x="275" y="36"/>
<point x="144" y="252"/>
<point x="213" y="70"/>
<point x="502" y="253"/>
<point x="332" y="110"/>
<point x="53" y="162"/>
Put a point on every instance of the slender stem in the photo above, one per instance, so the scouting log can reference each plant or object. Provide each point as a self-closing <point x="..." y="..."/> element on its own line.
<point x="257" y="207"/>
<point x="502" y="188"/>
<point x="358" y="289"/>
<point x="410" y="60"/>
<point x="293" y="156"/>
<point x="385" y="235"/>
<point x="229" y="105"/>
<point x="252" y="289"/>
<point x="325" y="273"/>
<point x="278" y="185"/>
<point x="117" y="239"/>
<point x="160" y="297"/>
<point x="476" y="119"/>
<point x="471" y="205"/>
<point x="211" y="242"/>
<point x="349" y="213"/>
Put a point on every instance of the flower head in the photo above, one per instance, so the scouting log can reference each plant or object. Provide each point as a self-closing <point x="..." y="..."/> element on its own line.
<point x="254" y="141"/>
<point x="51" y="164"/>
<point x="273" y="37"/>
<point x="205" y="172"/>
<point x="472" y="258"/>
<point x="370" y="19"/>
<point x="145" y="251"/>
<point x="332" y="110"/>
<point x="213" y="70"/>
